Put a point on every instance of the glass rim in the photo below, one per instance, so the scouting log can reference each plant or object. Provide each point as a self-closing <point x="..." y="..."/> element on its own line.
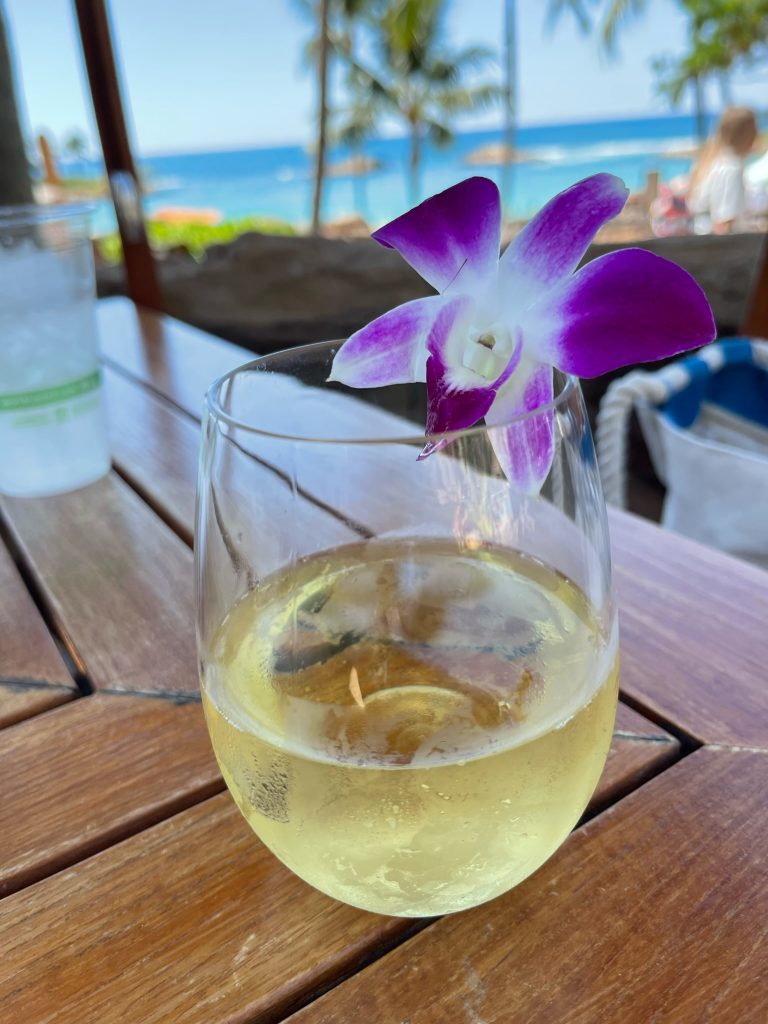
<point x="215" y="409"/>
<point x="38" y="213"/>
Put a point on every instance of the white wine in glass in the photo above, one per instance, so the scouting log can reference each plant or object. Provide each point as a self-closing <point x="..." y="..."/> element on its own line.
<point x="412" y="721"/>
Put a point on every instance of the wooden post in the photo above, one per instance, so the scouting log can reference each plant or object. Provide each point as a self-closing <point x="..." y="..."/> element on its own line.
<point x="322" y="115"/>
<point x="15" y="186"/>
<point x="756" y="321"/>
<point x="95" y="36"/>
<point x="510" y="102"/>
<point x="49" y="163"/>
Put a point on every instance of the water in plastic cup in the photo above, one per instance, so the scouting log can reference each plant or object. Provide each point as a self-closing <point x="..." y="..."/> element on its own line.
<point x="52" y="429"/>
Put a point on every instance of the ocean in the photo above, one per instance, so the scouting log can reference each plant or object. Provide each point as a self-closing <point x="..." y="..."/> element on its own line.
<point x="277" y="181"/>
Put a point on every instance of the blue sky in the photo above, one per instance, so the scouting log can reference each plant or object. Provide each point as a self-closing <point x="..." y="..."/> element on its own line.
<point x="200" y="74"/>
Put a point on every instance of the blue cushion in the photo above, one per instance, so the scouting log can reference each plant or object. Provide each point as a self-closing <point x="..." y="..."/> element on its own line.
<point x="739" y="386"/>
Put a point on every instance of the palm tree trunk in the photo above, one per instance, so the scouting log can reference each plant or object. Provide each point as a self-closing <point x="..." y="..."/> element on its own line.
<point x="414" y="165"/>
<point x="510" y="98"/>
<point x="701" y="114"/>
<point x="359" y="183"/>
<point x="322" y="116"/>
<point x="14" y="173"/>
<point x="725" y="89"/>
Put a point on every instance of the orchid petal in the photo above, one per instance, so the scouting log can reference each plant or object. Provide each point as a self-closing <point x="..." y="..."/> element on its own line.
<point x="626" y="307"/>
<point x="451" y="406"/>
<point x="524" y="447"/>
<point x="391" y="349"/>
<point x="552" y="244"/>
<point x="458" y="228"/>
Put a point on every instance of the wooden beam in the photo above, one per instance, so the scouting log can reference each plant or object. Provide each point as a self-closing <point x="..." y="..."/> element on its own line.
<point x="756" y="321"/>
<point x="98" y="53"/>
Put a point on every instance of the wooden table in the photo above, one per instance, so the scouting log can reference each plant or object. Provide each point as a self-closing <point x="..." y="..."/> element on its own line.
<point x="134" y="891"/>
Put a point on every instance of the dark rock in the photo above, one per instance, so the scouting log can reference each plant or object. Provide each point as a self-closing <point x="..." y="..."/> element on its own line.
<point x="268" y="292"/>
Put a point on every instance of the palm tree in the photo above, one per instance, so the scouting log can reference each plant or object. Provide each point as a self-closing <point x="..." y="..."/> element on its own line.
<point x="322" y="112"/>
<point x="15" y="186"/>
<point x="510" y="95"/>
<point x="75" y="145"/>
<point x="417" y="79"/>
<point x="357" y="121"/>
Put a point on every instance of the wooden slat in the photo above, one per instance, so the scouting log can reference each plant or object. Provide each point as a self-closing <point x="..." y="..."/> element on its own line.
<point x="175" y="359"/>
<point x="693" y="633"/>
<point x="157" y="448"/>
<point x="19" y="701"/>
<point x="192" y="921"/>
<point x="655" y="911"/>
<point x="632" y="725"/>
<point x="93" y="772"/>
<point x="639" y="750"/>
<point x="119" y="585"/>
<point x="33" y="676"/>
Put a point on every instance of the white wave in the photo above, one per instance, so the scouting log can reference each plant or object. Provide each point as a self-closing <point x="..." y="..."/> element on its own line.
<point x="166" y="184"/>
<point x="607" y="150"/>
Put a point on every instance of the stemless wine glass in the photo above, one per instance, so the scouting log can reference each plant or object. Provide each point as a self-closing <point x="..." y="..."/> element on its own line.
<point x="409" y="668"/>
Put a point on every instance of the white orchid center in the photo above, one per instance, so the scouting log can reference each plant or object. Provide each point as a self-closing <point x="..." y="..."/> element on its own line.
<point x="488" y="352"/>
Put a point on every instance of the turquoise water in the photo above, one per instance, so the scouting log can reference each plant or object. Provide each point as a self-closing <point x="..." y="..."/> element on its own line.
<point x="277" y="181"/>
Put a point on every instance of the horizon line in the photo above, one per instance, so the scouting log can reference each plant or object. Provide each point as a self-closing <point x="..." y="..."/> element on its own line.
<point x="287" y="144"/>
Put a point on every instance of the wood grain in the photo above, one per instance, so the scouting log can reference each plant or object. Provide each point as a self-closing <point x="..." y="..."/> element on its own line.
<point x="20" y="700"/>
<point x="157" y="449"/>
<point x="193" y="920"/>
<point x="639" y="750"/>
<point x="694" y="640"/>
<point x="175" y="359"/>
<point x="118" y="582"/>
<point x="33" y="676"/>
<point x="88" y="774"/>
<point x="632" y="725"/>
<point x="655" y="911"/>
<point x="631" y="762"/>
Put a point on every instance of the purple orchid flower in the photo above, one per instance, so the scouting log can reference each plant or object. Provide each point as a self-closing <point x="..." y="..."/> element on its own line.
<point x="487" y="342"/>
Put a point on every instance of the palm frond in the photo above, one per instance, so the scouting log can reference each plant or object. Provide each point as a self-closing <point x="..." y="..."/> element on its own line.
<point x="473" y="58"/>
<point x="461" y="99"/>
<point x="619" y="13"/>
<point x="578" y="8"/>
<point x="356" y="125"/>
<point x="439" y="134"/>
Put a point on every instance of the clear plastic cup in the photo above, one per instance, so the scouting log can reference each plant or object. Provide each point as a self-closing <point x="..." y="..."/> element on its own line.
<point x="53" y="435"/>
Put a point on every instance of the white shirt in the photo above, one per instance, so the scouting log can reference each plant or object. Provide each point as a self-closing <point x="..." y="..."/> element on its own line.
<point x="757" y="173"/>
<point x="721" y="196"/>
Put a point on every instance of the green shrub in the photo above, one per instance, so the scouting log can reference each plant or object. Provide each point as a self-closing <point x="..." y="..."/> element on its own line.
<point x="195" y="237"/>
